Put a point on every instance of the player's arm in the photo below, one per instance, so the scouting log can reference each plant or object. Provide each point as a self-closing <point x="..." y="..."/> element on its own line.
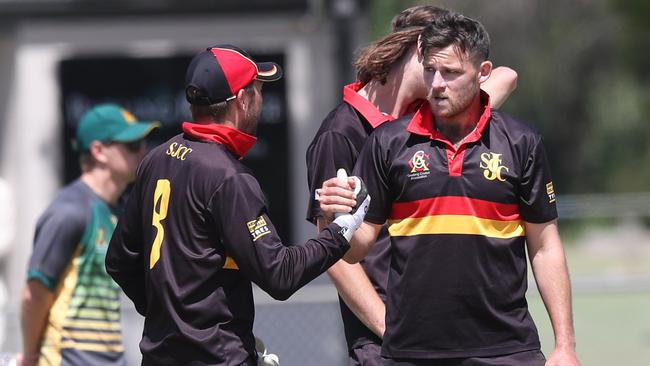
<point x="125" y="258"/>
<point x="58" y="233"/>
<point x="502" y="82"/>
<point x="362" y="241"/>
<point x="239" y="211"/>
<point x="357" y="292"/>
<point x="335" y="197"/>
<point x="329" y="152"/>
<point x="549" y="266"/>
<point x="35" y="309"/>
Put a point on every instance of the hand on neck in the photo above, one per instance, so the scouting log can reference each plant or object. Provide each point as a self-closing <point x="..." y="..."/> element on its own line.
<point x="390" y="98"/>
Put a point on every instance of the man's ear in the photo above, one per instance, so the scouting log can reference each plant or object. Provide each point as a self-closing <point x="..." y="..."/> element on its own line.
<point x="98" y="151"/>
<point x="484" y="71"/>
<point x="242" y="102"/>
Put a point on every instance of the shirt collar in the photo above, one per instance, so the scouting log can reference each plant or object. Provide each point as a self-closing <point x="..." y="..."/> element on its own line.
<point x="368" y="110"/>
<point x="424" y="124"/>
<point x="236" y="141"/>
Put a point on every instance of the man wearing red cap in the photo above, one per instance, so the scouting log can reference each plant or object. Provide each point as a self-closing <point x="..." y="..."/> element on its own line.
<point x="196" y="231"/>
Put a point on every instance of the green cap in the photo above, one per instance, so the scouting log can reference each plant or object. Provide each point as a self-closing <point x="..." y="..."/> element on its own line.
<point x="110" y="123"/>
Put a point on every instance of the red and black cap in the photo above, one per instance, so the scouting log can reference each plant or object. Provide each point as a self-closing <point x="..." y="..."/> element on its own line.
<point x="220" y="72"/>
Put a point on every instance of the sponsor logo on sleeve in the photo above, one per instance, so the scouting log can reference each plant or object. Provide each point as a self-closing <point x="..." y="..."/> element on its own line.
<point x="258" y="228"/>
<point x="419" y="165"/>
<point x="550" y="192"/>
<point x="491" y="163"/>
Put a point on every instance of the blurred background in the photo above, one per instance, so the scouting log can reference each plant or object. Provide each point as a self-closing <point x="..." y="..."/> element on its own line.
<point x="583" y="82"/>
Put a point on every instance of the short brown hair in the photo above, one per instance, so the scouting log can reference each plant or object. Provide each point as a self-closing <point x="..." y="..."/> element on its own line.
<point x="467" y="35"/>
<point x="375" y="61"/>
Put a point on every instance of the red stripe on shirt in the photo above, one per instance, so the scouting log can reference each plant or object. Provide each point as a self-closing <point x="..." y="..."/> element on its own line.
<point x="454" y="205"/>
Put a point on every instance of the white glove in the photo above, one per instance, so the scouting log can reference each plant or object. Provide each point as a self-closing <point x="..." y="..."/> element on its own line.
<point x="263" y="358"/>
<point x="350" y="222"/>
<point x="267" y="359"/>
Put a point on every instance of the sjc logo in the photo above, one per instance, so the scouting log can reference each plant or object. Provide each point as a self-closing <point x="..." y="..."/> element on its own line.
<point x="178" y="151"/>
<point x="491" y="162"/>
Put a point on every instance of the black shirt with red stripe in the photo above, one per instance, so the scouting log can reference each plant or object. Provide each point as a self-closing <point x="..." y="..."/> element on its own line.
<point x="195" y="234"/>
<point x="458" y="272"/>
<point x="337" y="144"/>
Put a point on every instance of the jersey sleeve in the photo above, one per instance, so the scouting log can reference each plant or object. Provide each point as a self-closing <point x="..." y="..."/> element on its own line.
<point x="537" y="200"/>
<point x="58" y="235"/>
<point x="330" y="152"/>
<point x="373" y="167"/>
<point x="125" y="257"/>
<point x="249" y="236"/>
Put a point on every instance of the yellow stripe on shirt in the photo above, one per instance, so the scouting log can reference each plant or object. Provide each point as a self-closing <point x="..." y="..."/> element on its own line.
<point x="456" y="224"/>
<point x="93" y="324"/>
<point x="93" y="336"/>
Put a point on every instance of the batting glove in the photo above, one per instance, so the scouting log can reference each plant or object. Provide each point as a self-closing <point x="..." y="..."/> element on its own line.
<point x="350" y="222"/>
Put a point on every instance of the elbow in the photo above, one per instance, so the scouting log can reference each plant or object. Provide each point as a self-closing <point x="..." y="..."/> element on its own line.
<point x="511" y="78"/>
<point x="281" y="295"/>
<point x="279" y="290"/>
<point x="112" y="272"/>
<point x="110" y="264"/>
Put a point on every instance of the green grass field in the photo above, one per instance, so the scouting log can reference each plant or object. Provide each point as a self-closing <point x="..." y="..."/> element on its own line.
<point x="610" y="272"/>
<point x="611" y="328"/>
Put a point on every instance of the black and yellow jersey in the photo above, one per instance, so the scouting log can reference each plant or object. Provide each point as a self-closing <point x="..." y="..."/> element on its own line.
<point x="337" y="145"/>
<point x="457" y="279"/>
<point x="194" y="234"/>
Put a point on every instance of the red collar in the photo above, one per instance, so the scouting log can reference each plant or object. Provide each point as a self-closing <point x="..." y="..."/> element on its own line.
<point x="236" y="141"/>
<point x="368" y="110"/>
<point x="424" y="124"/>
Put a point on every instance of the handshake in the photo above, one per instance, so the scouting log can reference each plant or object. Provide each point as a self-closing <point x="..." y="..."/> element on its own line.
<point x="346" y="199"/>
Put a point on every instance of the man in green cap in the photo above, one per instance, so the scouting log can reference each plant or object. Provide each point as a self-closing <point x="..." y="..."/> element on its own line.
<point x="70" y="306"/>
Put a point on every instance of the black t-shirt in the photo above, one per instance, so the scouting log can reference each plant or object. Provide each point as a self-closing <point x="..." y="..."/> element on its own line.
<point x="457" y="279"/>
<point x="194" y="235"/>
<point x="337" y="144"/>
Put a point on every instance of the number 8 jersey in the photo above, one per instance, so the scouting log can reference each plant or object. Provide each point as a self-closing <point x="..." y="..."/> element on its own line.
<point x="194" y="234"/>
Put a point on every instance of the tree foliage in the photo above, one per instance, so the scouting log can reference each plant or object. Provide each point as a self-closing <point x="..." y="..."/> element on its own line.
<point x="583" y="73"/>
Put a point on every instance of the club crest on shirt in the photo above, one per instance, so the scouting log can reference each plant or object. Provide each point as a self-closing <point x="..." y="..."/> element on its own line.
<point x="491" y="163"/>
<point x="258" y="228"/>
<point x="101" y="241"/>
<point x="419" y="165"/>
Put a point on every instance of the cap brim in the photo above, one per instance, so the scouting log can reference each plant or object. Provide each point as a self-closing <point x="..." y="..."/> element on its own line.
<point x="268" y="71"/>
<point x="136" y="131"/>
